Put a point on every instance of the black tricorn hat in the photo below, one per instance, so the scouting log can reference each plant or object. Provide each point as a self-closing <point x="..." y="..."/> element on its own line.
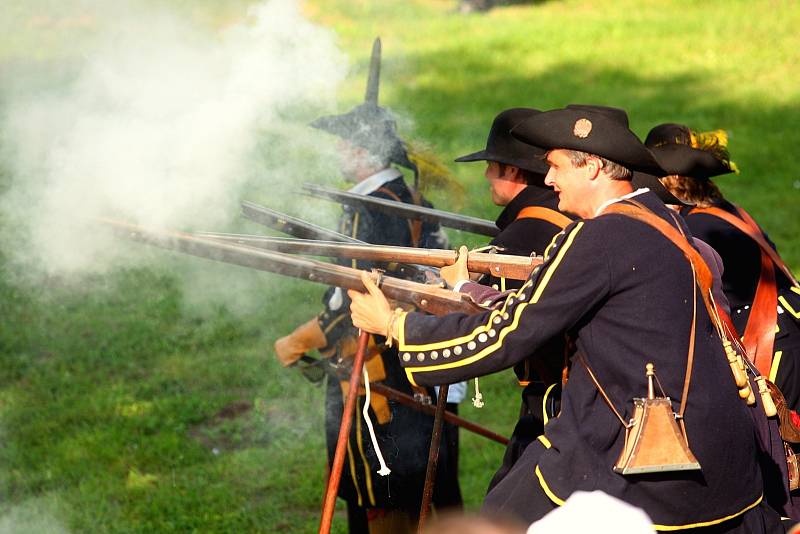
<point x="502" y="147"/>
<point x="671" y="144"/>
<point x="617" y="114"/>
<point x="368" y="126"/>
<point x="639" y="179"/>
<point x="597" y="130"/>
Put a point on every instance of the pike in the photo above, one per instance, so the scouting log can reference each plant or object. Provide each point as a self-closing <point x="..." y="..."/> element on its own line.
<point x="499" y="265"/>
<point x="474" y="225"/>
<point x="431" y="299"/>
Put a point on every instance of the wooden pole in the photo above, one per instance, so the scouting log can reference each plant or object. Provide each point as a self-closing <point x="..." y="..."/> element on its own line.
<point x="433" y="456"/>
<point x="449" y="417"/>
<point x="329" y="504"/>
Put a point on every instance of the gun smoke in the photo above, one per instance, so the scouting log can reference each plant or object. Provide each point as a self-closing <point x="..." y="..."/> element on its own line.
<point x="158" y="122"/>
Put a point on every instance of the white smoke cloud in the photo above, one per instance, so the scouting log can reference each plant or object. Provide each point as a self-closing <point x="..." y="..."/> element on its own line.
<point x="41" y="515"/>
<point x="159" y="125"/>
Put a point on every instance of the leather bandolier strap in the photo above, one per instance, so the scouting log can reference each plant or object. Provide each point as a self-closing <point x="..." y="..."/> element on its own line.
<point x="759" y="333"/>
<point x="414" y="225"/>
<point x="700" y="271"/>
<point x="545" y="214"/>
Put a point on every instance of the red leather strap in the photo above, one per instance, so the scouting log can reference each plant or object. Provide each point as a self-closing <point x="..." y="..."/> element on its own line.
<point x="748" y="226"/>
<point x="759" y="333"/>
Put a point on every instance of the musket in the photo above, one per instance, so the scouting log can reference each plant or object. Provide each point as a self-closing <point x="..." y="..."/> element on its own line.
<point x="409" y="211"/>
<point x="419" y="273"/>
<point x="291" y="225"/>
<point x="499" y="265"/>
<point x="431" y="299"/>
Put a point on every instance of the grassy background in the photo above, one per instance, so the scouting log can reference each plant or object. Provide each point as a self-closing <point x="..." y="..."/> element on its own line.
<point x="127" y="408"/>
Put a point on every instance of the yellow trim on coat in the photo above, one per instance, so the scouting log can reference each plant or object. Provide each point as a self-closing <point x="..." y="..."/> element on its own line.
<point x="353" y="472"/>
<point x="505" y="331"/>
<point x="560" y="502"/>
<point x="547" y="491"/>
<point x="788" y="307"/>
<point x="711" y="522"/>
<point x="776" y="362"/>
<point x="544" y="402"/>
<point x="402" y="346"/>
<point x="546" y="278"/>
<point x="411" y="378"/>
<point x="502" y="283"/>
<point x="796" y="289"/>
<point x="546" y="442"/>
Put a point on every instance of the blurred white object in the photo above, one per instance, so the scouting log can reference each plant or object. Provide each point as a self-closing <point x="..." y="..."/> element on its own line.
<point x="456" y="393"/>
<point x="594" y="512"/>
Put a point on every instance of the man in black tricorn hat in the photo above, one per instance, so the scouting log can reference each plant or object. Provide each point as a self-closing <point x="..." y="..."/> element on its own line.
<point x="621" y="285"/>
<point x="515" y="172"/>
<point x="368" y="145"/>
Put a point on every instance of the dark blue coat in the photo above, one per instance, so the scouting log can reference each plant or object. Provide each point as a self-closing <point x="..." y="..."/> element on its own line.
<point x="624" y="294"/>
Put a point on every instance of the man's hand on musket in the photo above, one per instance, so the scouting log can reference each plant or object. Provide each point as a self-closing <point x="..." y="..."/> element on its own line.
<point x="457" y="272"/>
<point x="371" y="311"/>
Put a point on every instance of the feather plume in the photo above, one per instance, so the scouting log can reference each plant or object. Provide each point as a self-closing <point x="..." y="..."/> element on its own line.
<point x="714" y="142"/>
<point x="433" y="174"/>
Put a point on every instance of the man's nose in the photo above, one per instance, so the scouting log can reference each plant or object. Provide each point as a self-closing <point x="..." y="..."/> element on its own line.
<point x="550" y="179"/>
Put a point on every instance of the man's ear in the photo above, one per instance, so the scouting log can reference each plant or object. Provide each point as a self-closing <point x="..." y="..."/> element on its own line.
<point x="593" y="167"/>
<point x="512" y="174"/>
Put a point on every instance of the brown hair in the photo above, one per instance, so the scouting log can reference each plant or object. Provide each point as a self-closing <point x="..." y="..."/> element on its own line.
<point x="702" y="193"/>
<point x="529" y="177"/>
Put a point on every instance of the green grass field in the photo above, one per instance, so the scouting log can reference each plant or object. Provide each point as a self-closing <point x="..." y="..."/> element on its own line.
<point x="126" y="406"/>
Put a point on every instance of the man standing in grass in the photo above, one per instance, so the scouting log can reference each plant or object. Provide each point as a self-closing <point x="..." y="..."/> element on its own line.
<point x="368" y="145"/>
<point x="625" y="293"/>
<point x="516" y="172"/>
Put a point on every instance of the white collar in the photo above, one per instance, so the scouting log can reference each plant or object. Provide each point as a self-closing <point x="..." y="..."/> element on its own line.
<point x="374" y="182"/>
<point x="607" y="203"/>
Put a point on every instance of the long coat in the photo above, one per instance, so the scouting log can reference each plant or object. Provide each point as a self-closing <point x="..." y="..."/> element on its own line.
<point x="625" y="295"/>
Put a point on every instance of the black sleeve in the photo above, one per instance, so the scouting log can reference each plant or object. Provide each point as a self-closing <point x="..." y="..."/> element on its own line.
<point x="573" y="279"/>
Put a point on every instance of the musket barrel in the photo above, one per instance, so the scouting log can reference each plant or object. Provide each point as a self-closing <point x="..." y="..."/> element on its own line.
<point x="428" y="298"/>
<point x="409" y="211"/>
<point x="397" y="264"/>
<point x="291" y="225"/>
<point x="500" y="265"/>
